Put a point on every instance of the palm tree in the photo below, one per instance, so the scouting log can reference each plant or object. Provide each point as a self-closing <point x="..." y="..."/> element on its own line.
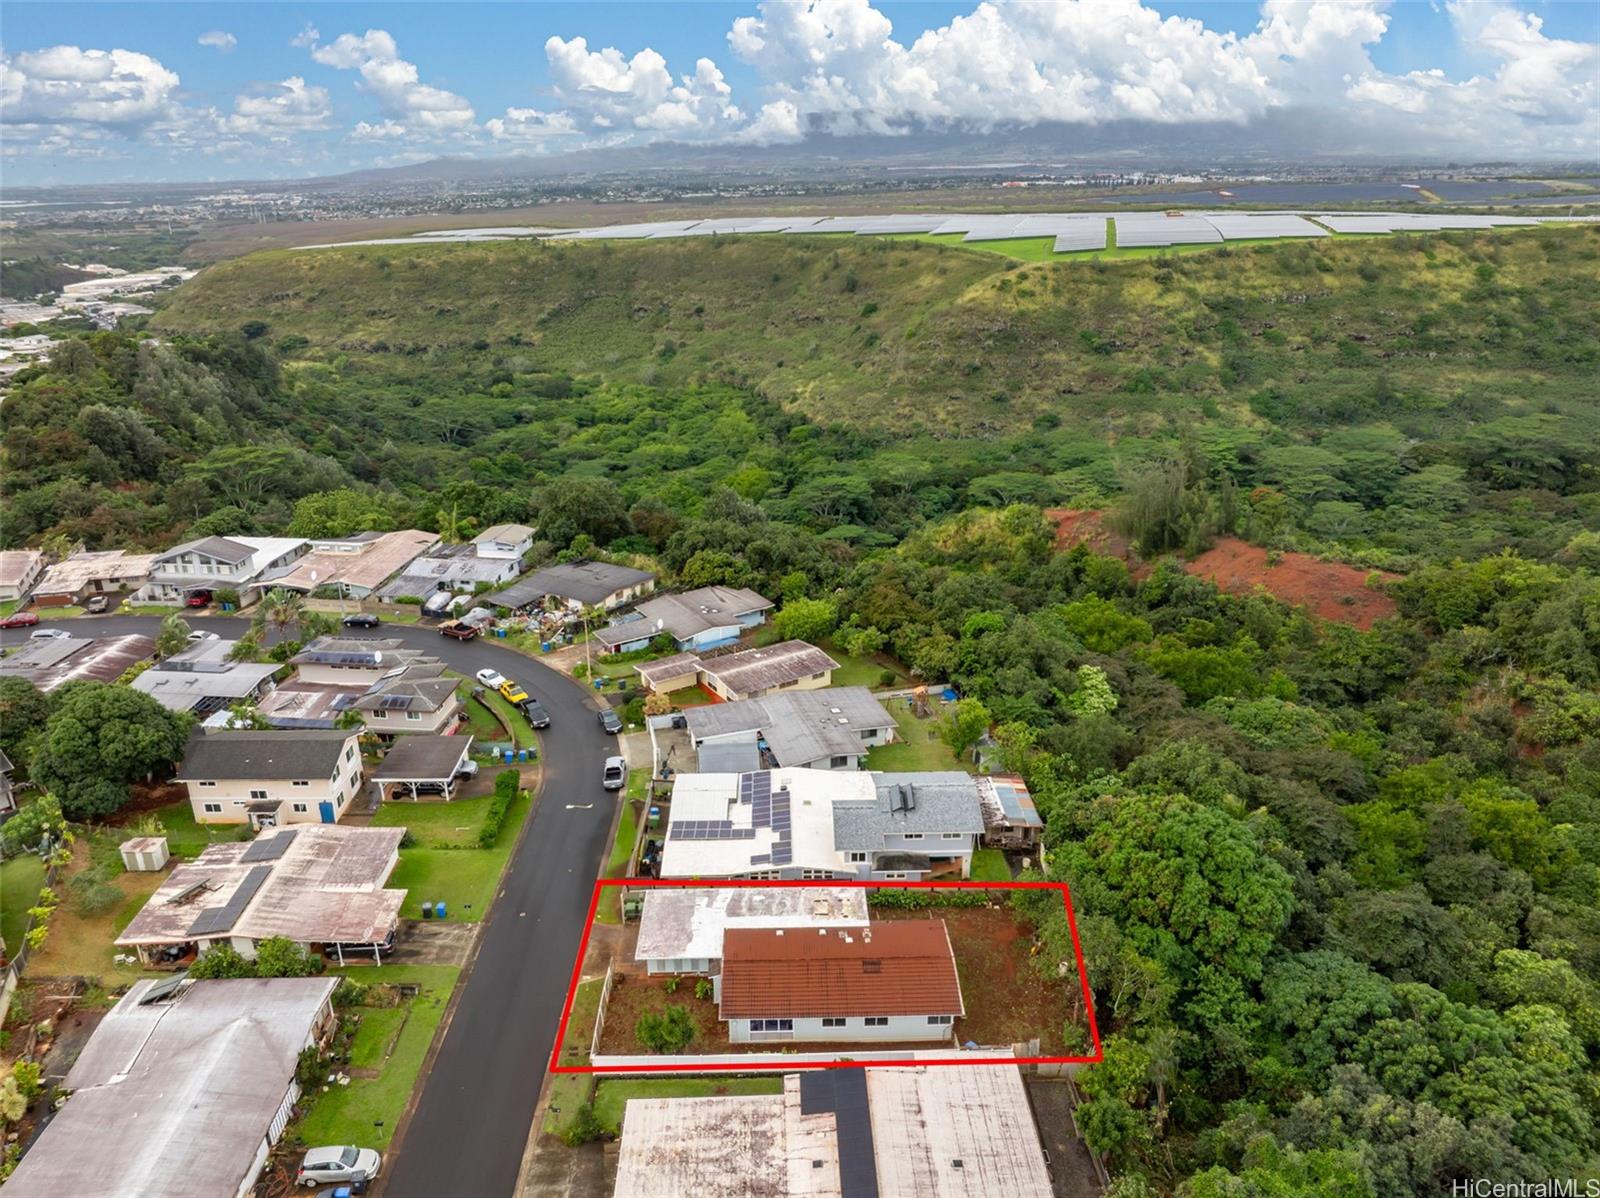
<point x="173" y="637"/>
<point x="281" y="609"/>
<point x="313" y="624"/>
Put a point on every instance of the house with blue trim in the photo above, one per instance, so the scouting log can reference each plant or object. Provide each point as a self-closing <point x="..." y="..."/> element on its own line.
<point x="705" y="618"/>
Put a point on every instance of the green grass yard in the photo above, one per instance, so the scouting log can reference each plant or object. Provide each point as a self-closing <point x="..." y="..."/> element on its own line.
<point x="187" y="838"/>
<point x="610" y="909"/>
<point x="393" y="1042"/>
<point x="919" y="747"/>
<point x="989" y="865"/>
<point x="465" y="879"/>
<point x="611" y="1096"/>
<point x="569" y="1091"/>
<point x="20" y="880"/>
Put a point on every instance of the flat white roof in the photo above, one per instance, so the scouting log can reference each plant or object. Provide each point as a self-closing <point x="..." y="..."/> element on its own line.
<point x="713" y="797"/>
<point x="688" y="924"/>
<point x="172" y="1098"/>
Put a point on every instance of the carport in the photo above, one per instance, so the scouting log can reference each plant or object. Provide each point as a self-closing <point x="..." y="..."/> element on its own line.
<point x="418" y="765"/>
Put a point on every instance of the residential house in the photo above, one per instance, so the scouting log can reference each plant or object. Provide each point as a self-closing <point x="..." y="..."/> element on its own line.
<point x="748" y="674"/>
<point x="893" y="981"/>
<point x="414" y="698"/>
<point x="182" y="1091"/>
<point x="955" y="1131"/>
<point x="353" y="567"/>
<point x="202" y="679"/>
<point x="575" y="585"/>
<point x="51" y="663"/>
<point x="681" y="929"/>
<point x="504" y="540"/>
<point x="219" y="563"/>
<point x="828" y="729"/>
<point x="268" y="778"/>
<point x="319" y="885"/>
<point x="354" y="661"/>
<point x="20" y="570"/>
<point x="1010" y="819"/>
<point x="83" y="574"/>
<point x="800" y="823"/>
<point x="707" y="618"/>
<point x="450" y="568"/>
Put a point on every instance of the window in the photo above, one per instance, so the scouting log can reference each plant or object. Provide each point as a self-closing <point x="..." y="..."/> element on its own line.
<point x="940" y="1020"/>
<point x="258" y="794"/>
<point x="772" y="1025"/>
<point x="894" y="876"/>
<point x="300" y="808"/>
<point x="856" y="857"/>
<point x="349" y="752"/>
<point x="812" y="875"/>
<point x="876" y="1021"/>
<point x="912" y="836"/>
<point x="868" y="733"/>
<point x="835" y="763"/>
<point x="208" y="784"/>
<point x="954" y="836"/>
<point x="300" y="783"/>
<point x="212" y="808"/>
<point x="833" y="1023"/>
<point x="818" y="677"/>
<point x="378" y="715"/>
<point x="413" y="715"/>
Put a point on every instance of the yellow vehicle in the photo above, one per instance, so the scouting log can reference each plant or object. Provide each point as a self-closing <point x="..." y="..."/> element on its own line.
<point x="513" y="691"/>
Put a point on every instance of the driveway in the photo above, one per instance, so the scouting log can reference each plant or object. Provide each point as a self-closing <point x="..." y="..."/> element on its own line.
<point x="468" y="1128"/>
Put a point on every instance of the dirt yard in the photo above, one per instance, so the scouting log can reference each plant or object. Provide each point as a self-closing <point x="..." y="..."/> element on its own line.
<point x="1329" y="590"/>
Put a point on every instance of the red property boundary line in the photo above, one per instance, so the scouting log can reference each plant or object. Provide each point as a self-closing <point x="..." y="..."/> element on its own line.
<point x="556" y="1066"/>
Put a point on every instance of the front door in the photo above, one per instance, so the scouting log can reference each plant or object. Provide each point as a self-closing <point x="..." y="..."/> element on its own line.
<point x="327" y="812"/>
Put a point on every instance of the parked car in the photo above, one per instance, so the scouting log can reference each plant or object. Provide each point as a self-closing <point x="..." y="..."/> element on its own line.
<point x="459" y="629"/>
<point x="610" y="721"/>
<point x="361" y="620"/>
<point x="50" y="634"/>
<point x="97" y="604"/>
<point x="469" y="769"/>
<point x="21" y="619"/>
<point x="615" y="774"/>
<point x="491" y="678"/>
<point x="513" y="692"/>
<point x="197" y="636"/>
<point x="198" y="599"/>
<point x="344" y="1162"/>
<point x="537" y="715"/>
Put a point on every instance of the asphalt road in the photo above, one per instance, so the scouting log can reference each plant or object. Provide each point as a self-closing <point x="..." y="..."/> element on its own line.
<point x="471" y="1122"/>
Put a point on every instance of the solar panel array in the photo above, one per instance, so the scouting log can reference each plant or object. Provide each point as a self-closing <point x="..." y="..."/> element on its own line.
<point x="325" y="657"/>
<point x="1157" y="229"/>
<point x="709" y="829"/>
<point x="1409" y="222"/>
<point x="269" y="848"/>
<point x="395" y="702"/>
<point x="219" y="919"/>
<point x="1081" y="235"/>
<point x="768" y="809"/>
<point x="1242" y="226"/>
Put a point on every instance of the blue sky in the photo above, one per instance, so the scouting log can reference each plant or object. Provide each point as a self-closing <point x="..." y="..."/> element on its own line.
<point x="489" y="78"/>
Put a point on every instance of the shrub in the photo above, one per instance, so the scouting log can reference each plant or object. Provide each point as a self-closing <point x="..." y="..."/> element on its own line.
<point x="703" y="988"/>
<point x="280" y="957"/>
<point x="93" y="896"/>
<point x="351" y="993"/>
<point x="223" y="961"/>
<point x="310" y="1069"/>
<point x="494" y="820"/>
<point x="584" y="1127"/>
<point x="665" y="1031"/>
<point x="29" y="1078"/>
<point x="914" y="899"/>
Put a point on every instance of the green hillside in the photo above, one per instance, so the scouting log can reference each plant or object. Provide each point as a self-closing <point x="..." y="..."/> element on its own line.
<point x="906" y="335"/>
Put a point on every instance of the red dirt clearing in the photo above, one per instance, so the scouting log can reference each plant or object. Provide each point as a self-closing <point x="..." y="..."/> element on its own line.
<point x="1328" y="590"/>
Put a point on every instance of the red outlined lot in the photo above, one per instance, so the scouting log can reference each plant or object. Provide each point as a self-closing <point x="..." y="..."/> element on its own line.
<point x="965" y="1058"/>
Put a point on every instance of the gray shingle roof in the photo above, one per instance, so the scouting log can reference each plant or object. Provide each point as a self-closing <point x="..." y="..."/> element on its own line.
<point x="800" y="726"/>
<point x="422" y="758"/>
<point x="769" y="666"/>
<point x="944" y="801"/>
<point x="262" y="756"/>
<point x="221" y="548"/>
<point x="587" y="582"/>
<point x="686" y="614"/>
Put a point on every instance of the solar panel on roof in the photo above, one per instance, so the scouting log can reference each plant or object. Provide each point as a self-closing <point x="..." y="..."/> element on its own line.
<point x="219" y="919"/>
<point x="843" y="1093"/>
<point x="269" y="848"/>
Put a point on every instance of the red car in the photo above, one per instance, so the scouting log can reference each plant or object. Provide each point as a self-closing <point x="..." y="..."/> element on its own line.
<point x="21" y="619"/>
<point x="198" y="599"/>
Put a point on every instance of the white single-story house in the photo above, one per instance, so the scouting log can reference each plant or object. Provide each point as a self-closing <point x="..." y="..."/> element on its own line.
<point x="83" y="574"/>
<point x="269" y="778"/>
<point x="575" y="585"/>
<point x="203" y="679"/>
<point x="20" y="571"/>
<point x="893" y="981"/>
<point x="504" y="540"/>
<point x="830" y="729"/>
<point x="748" y="674"/>
<point x="182" y="1090"/>
<point x="681" y="929"/>
<point x="354" y="566"/>
<point x="955" y="1131"/>
<point x="707" y="618"/>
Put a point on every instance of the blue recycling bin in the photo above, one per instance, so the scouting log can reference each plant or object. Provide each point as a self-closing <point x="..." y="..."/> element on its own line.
<point x="438" y="910"/>
<point x="501" y="633"/>
<point x="511" y="756"/>
<point x="598" y="683"/>
<point x="522" y="754"/>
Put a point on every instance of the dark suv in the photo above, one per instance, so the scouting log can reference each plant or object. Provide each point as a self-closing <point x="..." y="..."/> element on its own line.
<point x="361" y="620"/>
<point x="537" y="715"/>
<point x="610" y="721"/>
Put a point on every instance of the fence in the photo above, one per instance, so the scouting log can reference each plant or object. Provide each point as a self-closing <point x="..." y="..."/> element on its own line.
<point x="600" y="1014"/>
<point x="19" y="961"/>
<point x="691" y="1062"/>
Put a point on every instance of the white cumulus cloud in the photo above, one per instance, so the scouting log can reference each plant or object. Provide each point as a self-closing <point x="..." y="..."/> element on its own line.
<point x="69" y="85"/>
<point x="604" y="89"/>
<point x="409" y="106"/>
<point x="219" y="40"/>
<point x="530" y="125"/>
<point x="284" y="109"/>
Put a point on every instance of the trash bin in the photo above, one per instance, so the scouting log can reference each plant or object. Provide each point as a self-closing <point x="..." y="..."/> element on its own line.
<point x="598" y="683"/>
<point x="544" y="646"/>
<point x="511" y="755"/>
<point x="438" y="910"/>
<point x="427" y="910"/>
<point x="522" y="754"/>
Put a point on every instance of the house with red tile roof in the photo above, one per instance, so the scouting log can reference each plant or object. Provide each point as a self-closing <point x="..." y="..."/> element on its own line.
<point x="888" y="981"/>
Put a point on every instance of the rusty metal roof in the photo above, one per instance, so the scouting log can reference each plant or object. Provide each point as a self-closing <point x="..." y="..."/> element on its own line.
<point x="902" y="967"/>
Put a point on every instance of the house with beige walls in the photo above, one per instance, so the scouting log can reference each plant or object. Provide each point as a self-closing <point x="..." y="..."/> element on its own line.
<point x="271" y="778"/>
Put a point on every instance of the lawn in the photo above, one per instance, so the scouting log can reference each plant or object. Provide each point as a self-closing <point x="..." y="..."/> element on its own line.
<point x="186" y="838"/>
<point x="989" y="865"/>
<point x="392" y="1041"/>
<point x="465" y="879"/>
<point x="569" y="1091"/>
<point x="20" y="880"/>
<point x="610" y="909"/>
<point x="611" y="1096"/>
<point x="862" y="671"/>
<point x="526" y="738"/>
<point x="81" y="945"/>
<point x="919" y="747"/>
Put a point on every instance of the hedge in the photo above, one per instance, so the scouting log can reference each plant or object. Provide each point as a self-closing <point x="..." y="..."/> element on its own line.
<point x="505" y="793"/>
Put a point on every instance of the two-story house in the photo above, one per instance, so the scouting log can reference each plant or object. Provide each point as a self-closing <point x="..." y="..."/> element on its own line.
<point x="504" y="540"/>
<point x="267" y="779"/>
<point x="218" y="563"/>
<point x="818" y="824"/>
<point x="410" y="699"/>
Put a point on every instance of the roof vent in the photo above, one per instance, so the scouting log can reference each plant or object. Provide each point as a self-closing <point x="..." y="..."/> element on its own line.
<point x="779" y="932"/>
<point x="873" y="966"/>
